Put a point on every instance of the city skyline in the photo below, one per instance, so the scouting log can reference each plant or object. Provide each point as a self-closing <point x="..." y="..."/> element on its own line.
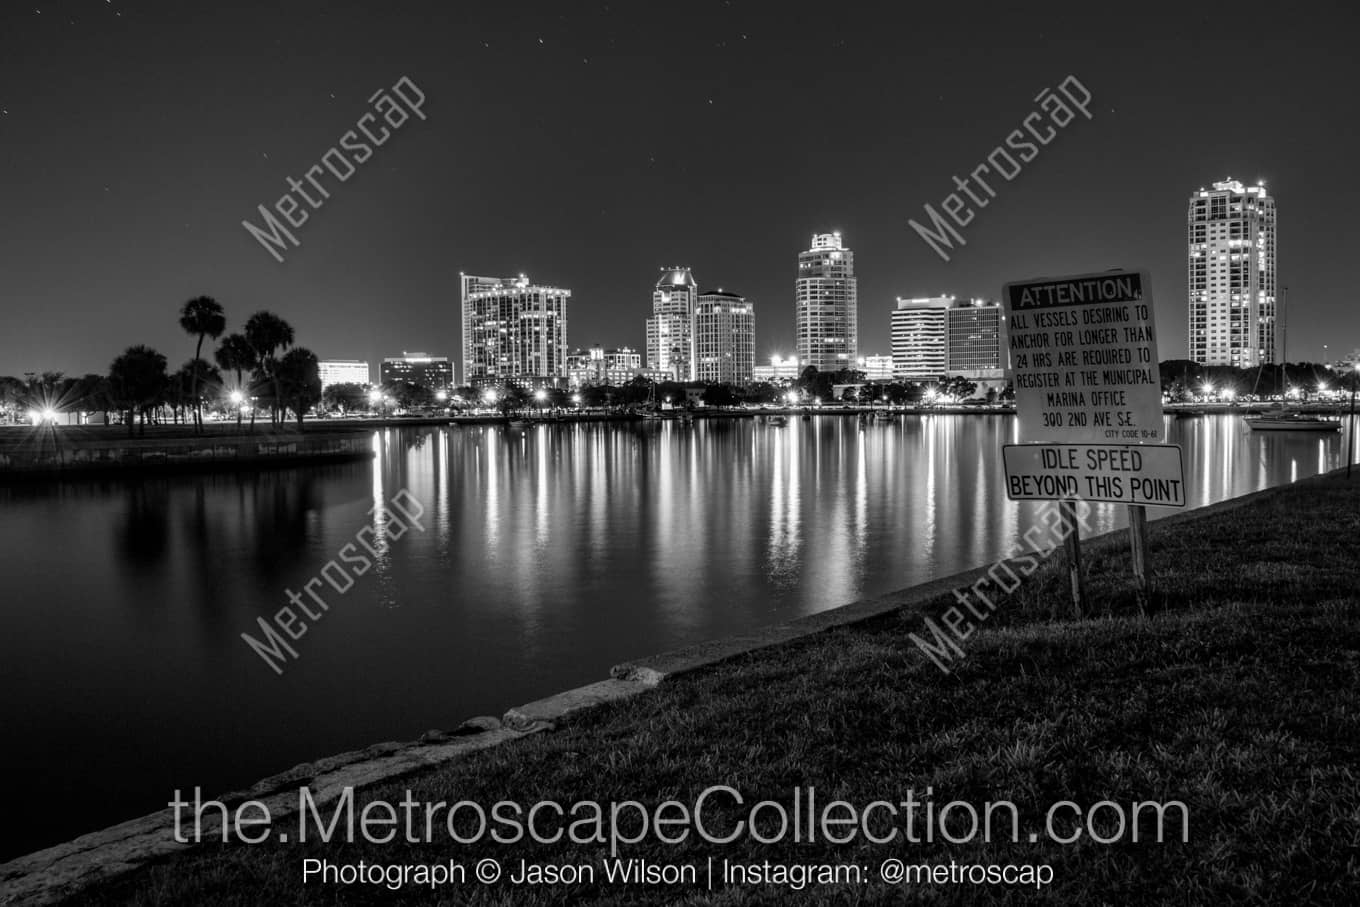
<point x="99" y="212"/>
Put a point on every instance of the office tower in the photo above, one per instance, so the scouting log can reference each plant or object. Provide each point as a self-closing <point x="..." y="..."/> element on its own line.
<point x="920" y="338"/>
<point x="670" y="329"/>
<point x="973" y="343"/>
<point x="724" y="338"/>
<point x="1234" y="319"/>
<point x="343" y="371"/>
<point x="826" y="305"/>
<point x="421" y="369"/>
<point x="598" y="365"/>
<point x="515" y="332"/>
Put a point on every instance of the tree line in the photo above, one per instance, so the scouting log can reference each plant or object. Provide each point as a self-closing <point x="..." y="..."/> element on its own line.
<point x="266" y="366"/>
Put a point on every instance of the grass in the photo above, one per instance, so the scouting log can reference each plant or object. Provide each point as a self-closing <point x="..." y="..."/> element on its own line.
<point x="1239" y="697"/>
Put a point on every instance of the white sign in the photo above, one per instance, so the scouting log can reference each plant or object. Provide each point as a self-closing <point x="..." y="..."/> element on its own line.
<point x="1112" y="473"/>
<point x="1084" y="358"/>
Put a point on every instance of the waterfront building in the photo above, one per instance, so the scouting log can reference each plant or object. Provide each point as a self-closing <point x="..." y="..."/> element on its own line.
<point x="343" y="371"/>
<point x="1233" y="316"/>
<point x="724" y="338"/>
<point x="920" y="338"/>
<point x="826" y="305"/>
<point x="781" y="368"/>
<point x="598" y="365"/>
<point x="973" y="345"/>
<point x="670" y="328"/>
<point x="875" y="368"/>
<point x="420" y="369"/>
<point x="515" y="332"/>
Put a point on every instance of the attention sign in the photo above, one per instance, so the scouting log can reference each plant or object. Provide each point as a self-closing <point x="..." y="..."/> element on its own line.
<point x="1112" y="473"/>
<point x="1084" y="355"/>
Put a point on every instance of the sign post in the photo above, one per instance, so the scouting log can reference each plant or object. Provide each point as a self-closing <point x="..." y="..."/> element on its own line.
<point x="1088" y="395"/>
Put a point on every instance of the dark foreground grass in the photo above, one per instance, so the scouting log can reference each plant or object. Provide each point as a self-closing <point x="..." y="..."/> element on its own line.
<point x="1239" y="697"/>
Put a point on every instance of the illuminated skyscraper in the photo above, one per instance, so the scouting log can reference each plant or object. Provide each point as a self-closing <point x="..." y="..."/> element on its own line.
<point x="1234" y="319"/>
<point x="670" y="329"/>
<point x="514" y="332"/>
<point x="826" y="305"/>
<point x="724" y="338"/>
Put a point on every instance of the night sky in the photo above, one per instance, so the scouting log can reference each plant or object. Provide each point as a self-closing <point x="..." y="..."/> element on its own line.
<point x="589" y="144"/>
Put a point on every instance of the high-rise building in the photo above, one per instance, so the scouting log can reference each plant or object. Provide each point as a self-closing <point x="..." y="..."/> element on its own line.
<point x="343" y="371"/>
<point x="514" y="332"/>
<point x="920" y="338"/>
<point x="469" y="284"/>
<point x="598" y="365"/>
<point x="1234" y="319"/>
<point x="670" y="329"/>
<point x="826" y="312"/>
<point x="724" y="338"/>
<point x="421" y="369"/>
<point x="974" y="342"/>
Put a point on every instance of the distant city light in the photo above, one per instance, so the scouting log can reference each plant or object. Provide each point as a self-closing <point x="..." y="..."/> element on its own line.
<point x="540" y="395"/>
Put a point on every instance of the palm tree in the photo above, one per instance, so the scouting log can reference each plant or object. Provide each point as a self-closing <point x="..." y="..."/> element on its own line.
<point x="137" y="382"/>
<point x="237" y="355"/>
<point x="268" y="334"/>
<point x="202" y="316"/>
<point x="300" y="379"/>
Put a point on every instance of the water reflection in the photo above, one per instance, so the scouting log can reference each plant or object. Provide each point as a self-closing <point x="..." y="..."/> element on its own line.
<point x="550" y="554"/>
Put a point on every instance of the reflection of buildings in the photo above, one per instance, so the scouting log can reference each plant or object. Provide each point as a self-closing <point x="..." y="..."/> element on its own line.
<point x="513" y="332"/>
<point x="826" y="300"/>
<point x="724" y="338"/>
<point x="343" y="371"/>
<point x="1232" y="310"/>
<point x="941" y="336"/>
<point x="420" y="369"/>
<point x="598" y="365"/>
<point x="670" y="328"/>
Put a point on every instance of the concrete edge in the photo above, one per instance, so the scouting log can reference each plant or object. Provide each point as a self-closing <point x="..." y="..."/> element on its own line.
<point x="65" y="869"/>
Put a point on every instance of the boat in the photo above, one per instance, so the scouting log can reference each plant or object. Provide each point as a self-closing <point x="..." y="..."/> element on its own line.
<point x="883" y="415"/>
<point x="1292" y="422"/>
<point x="776" y="420"/>
<point x="518" y="423"/>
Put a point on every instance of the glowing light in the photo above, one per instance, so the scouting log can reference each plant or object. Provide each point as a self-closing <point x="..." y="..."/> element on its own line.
<point x="441" y="396"/>
<point x="236" y="398"/>
<point x="540" y="395"/>
<point x="576" y="398"/>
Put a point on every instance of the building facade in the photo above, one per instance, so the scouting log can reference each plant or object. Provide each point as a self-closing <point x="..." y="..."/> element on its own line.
<point x="598" y="365"/>
<point x="920" y="338"/>
<point x="724" y="338"/>
<point x="875" y="368"/>
<point x="1234" y="318"/>
<point x="343" y="371"/>
<point x="781" y="368"/>
<point x="974" y="346"/>
<point x="515" y="332"/>
<point x="827" y="305"/>
<point x="670" y="329"/>
<point x="420" y="369"/>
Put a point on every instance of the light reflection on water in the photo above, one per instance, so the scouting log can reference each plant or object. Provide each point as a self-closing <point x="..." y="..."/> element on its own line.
<point x="550" y="554"/>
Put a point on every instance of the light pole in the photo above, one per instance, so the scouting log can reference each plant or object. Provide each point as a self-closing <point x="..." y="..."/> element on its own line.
<point x="1350" y="447"/>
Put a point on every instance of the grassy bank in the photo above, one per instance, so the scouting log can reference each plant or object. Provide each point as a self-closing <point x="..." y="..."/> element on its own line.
<point x="1239" y="697"/>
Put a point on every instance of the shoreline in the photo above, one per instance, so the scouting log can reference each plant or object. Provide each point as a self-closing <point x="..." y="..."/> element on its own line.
<point x="103" y="855"/>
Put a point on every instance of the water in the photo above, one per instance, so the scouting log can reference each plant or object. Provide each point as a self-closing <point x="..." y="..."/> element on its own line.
<point x="549" y="555"/>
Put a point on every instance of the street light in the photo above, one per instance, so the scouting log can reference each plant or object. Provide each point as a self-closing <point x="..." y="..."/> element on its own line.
<point x="1350" y="447"/>
<point x="236" y="398"/>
